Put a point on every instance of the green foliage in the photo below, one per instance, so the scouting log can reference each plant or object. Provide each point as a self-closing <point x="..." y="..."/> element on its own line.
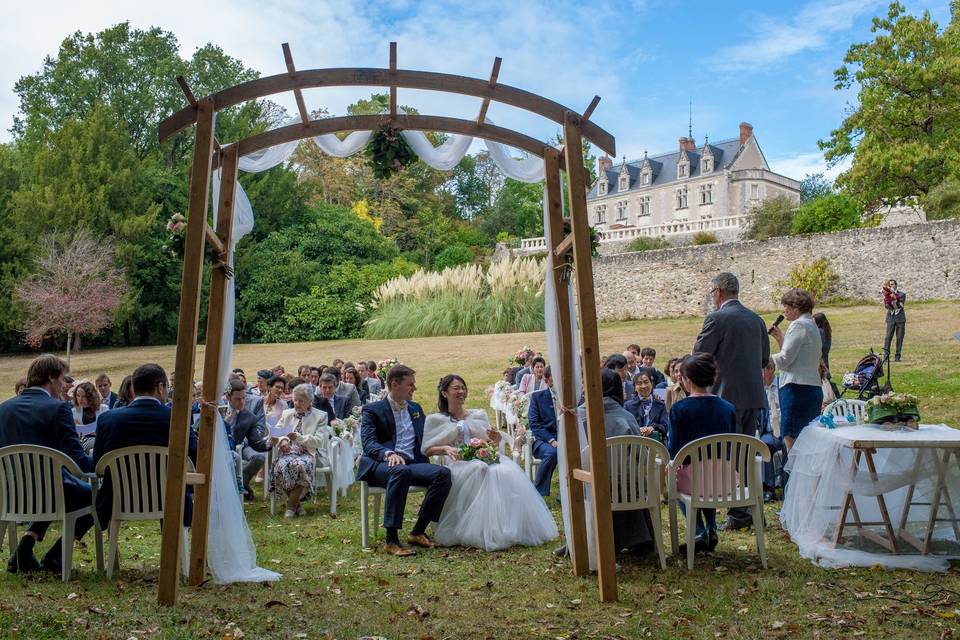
<point x="452" y="256"/>
<point x="813" y="186"/>
<point x="771" y="218"/>
<point x="904" y="135"/>
<point x="816" y="277"/>
<point x="832" y="212"/>
<point x="943" y="201"/>
<point x="704" y="237"/>
<point x="518" y="210"/>
<point x="388" y="153"/>
<point x="648" y="243"/>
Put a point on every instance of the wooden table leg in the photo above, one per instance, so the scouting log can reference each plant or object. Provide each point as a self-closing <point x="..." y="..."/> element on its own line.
<point x="935" y="503"/>
<point x="848" y="501"/>
<point x="884" y="515"/>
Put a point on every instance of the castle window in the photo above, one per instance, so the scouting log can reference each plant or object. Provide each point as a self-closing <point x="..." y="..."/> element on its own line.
<point x="682" y="198"/>
<point x="682" y="170"/>
<point x="600" y="212"/>
<point x="622" y="210"/>
<point x="706" y="194"/>
<point x="644" y="206"/>
<point x="754" y="192"/>
<point x="602" y="188"/>
<point x="645" y="177"/>
<point x="624" y="182"/>
<point x="706" y="165"/>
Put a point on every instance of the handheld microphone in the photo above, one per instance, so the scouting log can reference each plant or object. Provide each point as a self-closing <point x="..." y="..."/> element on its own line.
<point x="776" y="323"/>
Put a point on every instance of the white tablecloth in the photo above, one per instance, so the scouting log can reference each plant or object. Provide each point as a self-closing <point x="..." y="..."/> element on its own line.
<point x="820" y="474"/>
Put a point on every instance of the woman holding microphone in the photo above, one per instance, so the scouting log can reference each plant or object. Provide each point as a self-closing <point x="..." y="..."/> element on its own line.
<point x="799" y="364"/>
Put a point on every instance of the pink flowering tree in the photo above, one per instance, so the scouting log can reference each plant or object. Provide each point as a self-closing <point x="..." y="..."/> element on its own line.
<point x="75" y="289"/>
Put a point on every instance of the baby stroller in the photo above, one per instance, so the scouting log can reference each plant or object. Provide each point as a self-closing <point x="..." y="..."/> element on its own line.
<point x="866" y="376"/>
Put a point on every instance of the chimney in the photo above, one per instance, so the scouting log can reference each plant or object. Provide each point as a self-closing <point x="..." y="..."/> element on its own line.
<point x="604" y="163"/>
<point x="691" y="144"/>
<point x="746" y="131"/>
<point x="683" y="143"/>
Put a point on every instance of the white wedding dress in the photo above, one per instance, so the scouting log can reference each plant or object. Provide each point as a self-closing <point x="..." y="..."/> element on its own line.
<point x="490" y="506"/>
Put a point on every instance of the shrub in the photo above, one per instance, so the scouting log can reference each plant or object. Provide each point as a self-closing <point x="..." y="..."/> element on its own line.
<point x="463" y="300"/>
<point x="453" y="256"/>
<point x="831" y="212"/>
<point x="816" y="277"/>
<point x="647" y="243"/>
<point x="943" y="201"/>
<point x="770" y="219"/>
<point x="704" y="237"/>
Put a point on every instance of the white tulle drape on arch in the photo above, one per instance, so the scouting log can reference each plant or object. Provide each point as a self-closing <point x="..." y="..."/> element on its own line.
<point x="232" y="554"/>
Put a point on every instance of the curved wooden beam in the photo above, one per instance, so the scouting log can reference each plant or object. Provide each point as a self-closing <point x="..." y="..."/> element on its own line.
<point x="299" y="131"/>
<point x="425" y="80"/>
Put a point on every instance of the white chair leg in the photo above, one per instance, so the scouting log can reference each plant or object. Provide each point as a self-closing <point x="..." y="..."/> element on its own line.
<point x="113" y="553"/>
<point x="377" y="522"/>
<point x="758" y="527"/>
<point x="672" y="508"/>
<point x="333" y="495"/>
<point x="364" y="518"/>
<point x="66" y="546"/>
<point x="658" y="534"/>
<point x="185" y="552"/>
<point x="691" y="533"/>
<point x="11" y="535"/>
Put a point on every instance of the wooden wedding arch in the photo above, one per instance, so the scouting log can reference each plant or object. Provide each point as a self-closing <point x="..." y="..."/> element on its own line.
<point x="209" y="155"/>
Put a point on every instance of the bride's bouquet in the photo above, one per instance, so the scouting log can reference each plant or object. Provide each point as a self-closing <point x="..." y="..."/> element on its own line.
<point x="477" y="449"/>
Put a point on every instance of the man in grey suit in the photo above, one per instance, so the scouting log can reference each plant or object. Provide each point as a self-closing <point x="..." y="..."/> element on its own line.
<point x="247" y="430"/>
<point x="737" y="337"/>
<point x="346" y="391"/>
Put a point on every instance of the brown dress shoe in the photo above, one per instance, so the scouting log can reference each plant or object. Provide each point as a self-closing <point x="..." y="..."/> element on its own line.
<point x="397" y="550"/>
<point x="421" y="540"/>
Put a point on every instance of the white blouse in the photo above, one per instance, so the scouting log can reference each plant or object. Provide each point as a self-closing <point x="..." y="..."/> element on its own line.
<point x="799" y="358"/>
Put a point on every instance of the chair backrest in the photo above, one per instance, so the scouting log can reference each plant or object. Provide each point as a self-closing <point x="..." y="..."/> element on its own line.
<point x="634" y="463"/>
<point x="138" y="476"/>
<point x="31" y="483"/>
<point x="843" y="408"/>
<point x="724" y="469"/>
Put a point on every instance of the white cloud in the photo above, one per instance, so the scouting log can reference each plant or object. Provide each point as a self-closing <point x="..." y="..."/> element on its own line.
<point x="775" y="40"/>
<point x="799" y="165"/>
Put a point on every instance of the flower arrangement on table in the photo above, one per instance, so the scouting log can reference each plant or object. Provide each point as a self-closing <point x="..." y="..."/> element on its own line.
<point x="898" y="409"/>
<point x="523" y="354"/>
<point x="477" y="449"/>
<point x="384" y="366"/>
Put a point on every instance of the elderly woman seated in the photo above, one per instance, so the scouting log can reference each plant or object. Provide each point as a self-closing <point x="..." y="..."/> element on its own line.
<point x="300" y="450"/>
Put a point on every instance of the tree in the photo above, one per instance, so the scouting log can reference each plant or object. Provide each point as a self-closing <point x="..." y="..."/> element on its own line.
<point x="944" y="201"/>
<point x="813" y="186"/>
<point x="769" y="219"/>
<point x="904" y="135"/>
<point x="517" y="210"/>
<point x="474" y="184"/>
<point x="453" y="256"/>
<point x="833" y="212"/>
<point x="75" y="290"/>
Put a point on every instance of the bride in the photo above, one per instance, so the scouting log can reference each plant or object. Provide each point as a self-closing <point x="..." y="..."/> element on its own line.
<point x="491" y="506"/>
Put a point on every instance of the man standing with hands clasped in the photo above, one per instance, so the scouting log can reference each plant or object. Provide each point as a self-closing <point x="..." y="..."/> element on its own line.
<point x="737" y="337"/>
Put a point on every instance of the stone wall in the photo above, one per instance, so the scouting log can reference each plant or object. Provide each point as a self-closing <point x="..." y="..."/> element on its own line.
<point x="923" y="258"/>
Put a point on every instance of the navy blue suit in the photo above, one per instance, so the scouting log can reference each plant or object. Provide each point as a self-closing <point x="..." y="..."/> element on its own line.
<point x="378" y="433"/>
<point x="542" y="417"/>
<point x="657" y="418"/>
<point x="144" y="422"/>
<point x="111" y="400"/>
<point x="35" y="418"/>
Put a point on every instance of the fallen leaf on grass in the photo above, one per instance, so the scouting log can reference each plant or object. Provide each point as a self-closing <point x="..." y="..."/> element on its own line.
<point x="72" y="596"/>
<point x="743" y="611"/>
<point x="274" y="603"/>
<point x="778" y="624"/>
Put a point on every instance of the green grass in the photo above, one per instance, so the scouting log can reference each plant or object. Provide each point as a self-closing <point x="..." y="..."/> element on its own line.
<point x="333" y="589"/>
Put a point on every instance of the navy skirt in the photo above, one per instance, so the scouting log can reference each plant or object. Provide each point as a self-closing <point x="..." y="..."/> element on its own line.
<point x="799" y="406"/>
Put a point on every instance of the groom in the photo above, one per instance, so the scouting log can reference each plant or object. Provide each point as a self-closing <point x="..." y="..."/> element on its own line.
<point x="391" y="431"/>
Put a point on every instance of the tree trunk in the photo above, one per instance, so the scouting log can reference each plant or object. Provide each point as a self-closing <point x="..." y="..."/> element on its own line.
<point x="78" y="343"/>
<point x="69" y="337"/>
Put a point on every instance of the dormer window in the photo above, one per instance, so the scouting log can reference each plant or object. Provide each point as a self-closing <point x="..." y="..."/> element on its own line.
<point x="706" y="165"/>
<point x="645" y="177"/>
<point x="624" y="183"/>
<point x="683" y="169"/>
<point x="602" y="188"/>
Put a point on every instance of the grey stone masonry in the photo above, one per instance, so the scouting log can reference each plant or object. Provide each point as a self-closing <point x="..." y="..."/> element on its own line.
<point x="924" y="259"/>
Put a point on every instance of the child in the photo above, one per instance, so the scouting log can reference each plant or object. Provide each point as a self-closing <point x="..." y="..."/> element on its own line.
<point x="699" y="415"/>
<point x="647" y="356"/>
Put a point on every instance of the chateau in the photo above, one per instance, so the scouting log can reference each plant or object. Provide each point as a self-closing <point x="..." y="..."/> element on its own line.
<point x="710" y="188"/>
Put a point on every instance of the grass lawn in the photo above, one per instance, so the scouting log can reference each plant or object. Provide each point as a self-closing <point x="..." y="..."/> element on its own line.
<point x="333" y="589"/>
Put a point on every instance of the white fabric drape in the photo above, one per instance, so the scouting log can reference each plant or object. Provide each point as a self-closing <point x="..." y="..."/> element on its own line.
<point x="334" y="146"/>
<point x="445" y="157"/>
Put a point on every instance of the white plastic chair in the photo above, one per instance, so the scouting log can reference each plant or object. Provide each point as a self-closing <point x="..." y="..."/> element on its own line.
<point x="31" y="490"/>
<point x="840" y="409"/>
<point x="530" y="464"/>
<point x="377" y="493"/>
<point x="138" y="477"/>
<point x="635" y="463"/>
<point x="726" y="471"/>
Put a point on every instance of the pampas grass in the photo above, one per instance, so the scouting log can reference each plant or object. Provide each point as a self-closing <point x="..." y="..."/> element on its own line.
<point x="507" y="297"/>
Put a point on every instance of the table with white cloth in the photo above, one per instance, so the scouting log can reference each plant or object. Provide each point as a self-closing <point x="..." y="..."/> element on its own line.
<point x="893" y="488"/>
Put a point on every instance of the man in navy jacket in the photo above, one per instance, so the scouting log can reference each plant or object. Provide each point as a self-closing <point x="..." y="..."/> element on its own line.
<point x="145" y="421"/>
<point x="39" y="416"/>
<point x="542" y="418"/>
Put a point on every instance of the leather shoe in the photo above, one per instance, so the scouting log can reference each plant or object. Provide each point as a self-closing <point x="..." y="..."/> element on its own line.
<point x="712" y="540"/>
<point x="397" y="550"/>
<point x="421" y="540"/>
<point x="22" y="560"/>
<point x="700" y="545"/>
<point x="736" y="525"/>
<point x="51" y="564"/>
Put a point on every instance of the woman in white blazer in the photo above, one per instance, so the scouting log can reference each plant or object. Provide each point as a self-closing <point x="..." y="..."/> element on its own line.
<point x="799" y="364"/>
<point x="306" y="440"/>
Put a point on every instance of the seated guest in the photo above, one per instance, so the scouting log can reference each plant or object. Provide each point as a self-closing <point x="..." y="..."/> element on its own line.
<point x="618" y="364"/>
<point x="304" y="446"/>
<point x="352" y="376"/>
<point x="197" y="402"/>
<point x="144" y="422"/>
<point x="769" y="428"/>
<point x="246" y="430"/>
<point x="237" y="371"/>
<point x="647" y="356"/>
<point x="125" y="396"/>
<point x="109" y="398"/>
<point x="510" y="375"/>
<point x="542" y="421"/>
<point x="253" y="401"/>
<point x="650" y="411"/>
<point x="279" y="371"/>
<point x="631" y="529"/>
<point x="337" y="364"/>
<point x="262" y="388"/>
<point x="699" y="415"/>
<point x="344" y="390"/>
<point x="534" y="381"/>
<point x="86" y="409"/>
<point x="374" y="381"/>
<point x="274" y="404"/>
<point x="19" y="386"/>
<point x="675" y="390"/>
<point x="326" y="399"/>
<point x="524" y="370"/>
<point x="39" y="417"/>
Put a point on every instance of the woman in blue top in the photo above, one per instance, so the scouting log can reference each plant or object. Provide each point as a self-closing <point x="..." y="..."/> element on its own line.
<point x="699" y="415"/>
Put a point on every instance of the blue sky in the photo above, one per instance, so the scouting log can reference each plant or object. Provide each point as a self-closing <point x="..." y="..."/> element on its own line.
<point x="767" y="63"/>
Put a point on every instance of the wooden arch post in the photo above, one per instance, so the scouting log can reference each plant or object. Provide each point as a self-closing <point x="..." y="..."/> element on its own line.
<point x="208" y="155"/>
